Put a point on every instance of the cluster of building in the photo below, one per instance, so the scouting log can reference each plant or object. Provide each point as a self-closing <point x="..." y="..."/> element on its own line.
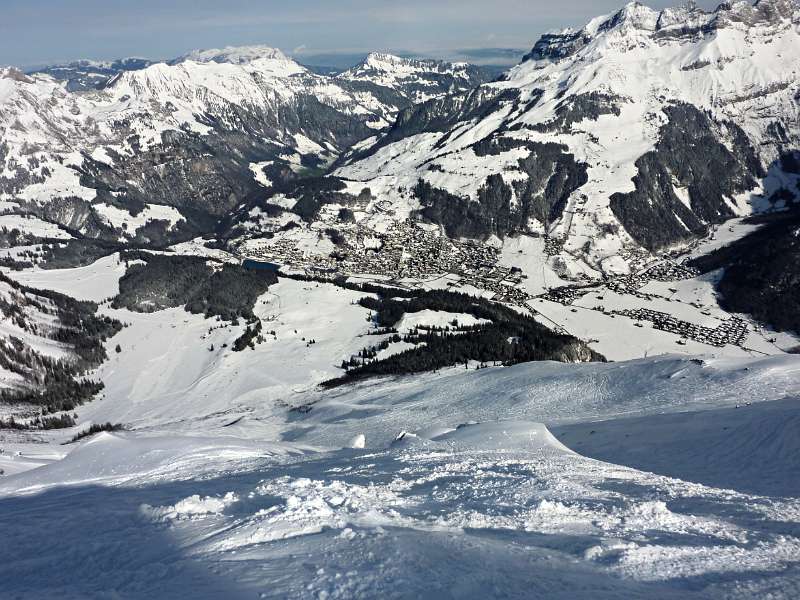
<point x="553" y="246"/>
<point x="566" y="294"/>
<point x="404" y="251"/>
<point x="512" y="295"/>
<point x="286" y="253"/>
<point x="732" y="331"/>
<point x="670" y="271"/>
<point x="663" y="271"/>
<point x="407" y="251"/>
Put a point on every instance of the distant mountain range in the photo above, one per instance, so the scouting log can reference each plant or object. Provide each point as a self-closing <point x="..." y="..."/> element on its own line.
<point x="194" y="135"/>
<point x="84" y="75"/>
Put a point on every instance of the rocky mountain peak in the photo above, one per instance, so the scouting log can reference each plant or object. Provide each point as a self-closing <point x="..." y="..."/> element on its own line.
<point x="383" y="58"/>
<point x="687" y="20"/>
<point x="415" y="80"/>
<point x="14" y="74"/>
<point x="383" y="62"/>
<point x="633" y="15"/>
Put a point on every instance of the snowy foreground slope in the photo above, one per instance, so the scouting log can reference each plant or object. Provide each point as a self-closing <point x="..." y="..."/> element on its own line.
<point x="661" y="477"/>
<point x="487" y="511"/>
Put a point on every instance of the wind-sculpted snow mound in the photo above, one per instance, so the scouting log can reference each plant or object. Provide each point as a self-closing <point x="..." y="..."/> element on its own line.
<point x="750" y="447"/>
<point x="124" y="458"/>
<point x="511" y="435"/>
<point x="191" y="507"/>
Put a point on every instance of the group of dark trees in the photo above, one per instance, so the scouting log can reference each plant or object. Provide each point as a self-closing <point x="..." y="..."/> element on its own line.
<point x="96" y="428"/>
<point x="248" y="337"/>
<point x="165" y="281"/>
<point x="49" y="253"/>
<point x="61" y="388"/>
<point x="40" y="422"/>
<point x="761" y="274"/>
<point x="53" y="384"/>
<point x="76" y="253"/>
<point x="343" y="282"/>
<point x="370" y="354"/>
<point x="510" y="338"/>
<point x="314" y="192"/>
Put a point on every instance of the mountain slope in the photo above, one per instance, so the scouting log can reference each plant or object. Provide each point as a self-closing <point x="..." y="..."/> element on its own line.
<point x="48" y="342"/>
<point x="761" y="275"/>
<point x="415" y="80"/>
<point x="85" y="75"/>
<point x="669" y="121"/>
<point x="161" y="152"/>
<point x="452" y="473"/>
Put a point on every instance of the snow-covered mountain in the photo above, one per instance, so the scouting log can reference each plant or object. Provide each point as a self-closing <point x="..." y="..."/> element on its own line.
<point x="416" y="80"/>
<point x="84" y="75"/>
<point x="240" y="55"/>
<point x="633" y="133"/>
<point x="610" y="154"/>
<point x="197" y="135"/>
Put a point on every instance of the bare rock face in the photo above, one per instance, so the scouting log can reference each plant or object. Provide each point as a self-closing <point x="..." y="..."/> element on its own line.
<point x="14" y="75"/>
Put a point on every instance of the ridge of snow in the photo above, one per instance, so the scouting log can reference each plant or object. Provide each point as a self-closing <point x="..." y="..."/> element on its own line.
<point x="389" y="69"/>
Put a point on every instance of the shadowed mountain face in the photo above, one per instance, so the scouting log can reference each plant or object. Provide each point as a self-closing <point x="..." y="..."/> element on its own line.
<point x="761" y="274"/>
<point x="712" y="161"/>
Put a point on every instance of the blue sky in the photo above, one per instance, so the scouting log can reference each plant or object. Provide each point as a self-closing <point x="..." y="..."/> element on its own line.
<point x="34" y="32"/>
